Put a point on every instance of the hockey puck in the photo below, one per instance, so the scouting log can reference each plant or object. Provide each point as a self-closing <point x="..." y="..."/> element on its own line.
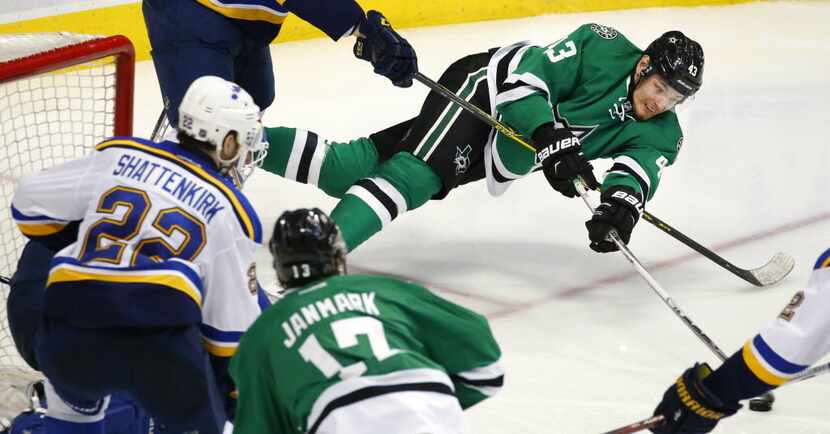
<point x="759" y="404"/>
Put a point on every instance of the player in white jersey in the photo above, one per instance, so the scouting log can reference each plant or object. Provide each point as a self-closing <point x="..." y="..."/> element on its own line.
<point x="160" y="267"/>
<point x="784" y="347"/>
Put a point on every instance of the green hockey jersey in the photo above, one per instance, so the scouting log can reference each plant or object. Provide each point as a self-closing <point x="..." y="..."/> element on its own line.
<point x="355" y="337"/>
<point x="581" y="81"/>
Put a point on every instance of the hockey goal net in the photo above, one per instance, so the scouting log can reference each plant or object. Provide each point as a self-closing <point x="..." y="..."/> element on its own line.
<point x="60" y="94"/>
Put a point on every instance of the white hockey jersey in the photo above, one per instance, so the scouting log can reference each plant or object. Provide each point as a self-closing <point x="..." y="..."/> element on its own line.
<point x="163" y="239"/>
<point x="799" y="337"/>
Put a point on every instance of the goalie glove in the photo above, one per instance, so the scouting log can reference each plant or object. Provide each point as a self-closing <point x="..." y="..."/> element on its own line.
<point x="620" y="210"/>
<point x="385" y="49"/>
<point x="560" y="154"/>
<point x="689" y="407"/>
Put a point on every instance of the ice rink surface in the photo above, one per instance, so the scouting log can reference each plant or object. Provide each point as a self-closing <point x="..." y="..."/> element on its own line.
<point x="587" y="345"/>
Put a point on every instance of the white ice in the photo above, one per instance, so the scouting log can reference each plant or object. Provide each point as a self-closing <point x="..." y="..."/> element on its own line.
<point x="587" y="346"/>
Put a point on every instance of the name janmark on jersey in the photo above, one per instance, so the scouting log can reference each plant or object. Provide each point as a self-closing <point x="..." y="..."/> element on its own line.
<point x="341" y="302"/>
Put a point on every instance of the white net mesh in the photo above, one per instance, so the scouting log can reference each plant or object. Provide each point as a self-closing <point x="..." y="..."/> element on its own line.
<point x="45" y="119"/>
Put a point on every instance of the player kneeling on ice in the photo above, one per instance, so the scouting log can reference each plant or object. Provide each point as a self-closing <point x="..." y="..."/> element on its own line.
<point x="357" y="353"/>
<point x="154" y="281"/>
<point x="593" y="94"/>
<point x="783" y="349"/>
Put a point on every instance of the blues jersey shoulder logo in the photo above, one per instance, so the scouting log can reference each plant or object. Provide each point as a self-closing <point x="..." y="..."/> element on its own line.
<point x="604" y="32"/>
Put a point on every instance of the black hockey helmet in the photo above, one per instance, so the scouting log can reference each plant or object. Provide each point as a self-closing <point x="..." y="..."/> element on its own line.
<point x="306" y="246"/>
<point x="678" y="59"/>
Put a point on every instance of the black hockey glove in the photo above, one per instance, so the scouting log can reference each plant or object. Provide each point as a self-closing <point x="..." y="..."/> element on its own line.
<point x="560" y="154"/>
<point x="620" y="209"/>
<point x="691" y="408"/>
<point x="389" y="52"/>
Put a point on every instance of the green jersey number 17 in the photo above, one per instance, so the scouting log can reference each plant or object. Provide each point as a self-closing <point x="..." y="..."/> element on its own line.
<point x="345" y="333"/>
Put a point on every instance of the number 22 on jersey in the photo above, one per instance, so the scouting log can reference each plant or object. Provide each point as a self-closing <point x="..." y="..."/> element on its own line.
<point x="134" y="205"/>
<point x="345" y="333"/>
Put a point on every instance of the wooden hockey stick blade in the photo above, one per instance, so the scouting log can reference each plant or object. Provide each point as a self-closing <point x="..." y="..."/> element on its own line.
<point x="651" y="422"/>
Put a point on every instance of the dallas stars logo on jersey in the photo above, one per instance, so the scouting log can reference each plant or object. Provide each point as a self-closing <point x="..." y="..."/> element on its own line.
<point x="580" y="131"/>
<point x="604" y="32"/>
<point x="462" y="159"/>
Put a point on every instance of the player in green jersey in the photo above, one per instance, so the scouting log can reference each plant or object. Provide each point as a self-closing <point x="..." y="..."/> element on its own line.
<point x="357" y="353"/>
<point x="592" y="94"/>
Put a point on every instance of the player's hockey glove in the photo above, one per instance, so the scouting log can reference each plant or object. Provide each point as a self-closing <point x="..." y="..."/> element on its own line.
<point x="389" y="52"/>
<point x="620" y="209"/>
<point x="560" y="154"/>
<point x="691" y="408"/>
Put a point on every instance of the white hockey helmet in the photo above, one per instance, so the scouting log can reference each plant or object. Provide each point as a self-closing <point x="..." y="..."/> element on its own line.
<point x="211" y="108"/>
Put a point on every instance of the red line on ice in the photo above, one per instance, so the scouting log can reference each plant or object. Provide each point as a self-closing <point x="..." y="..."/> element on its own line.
<point x="510" y="308"/>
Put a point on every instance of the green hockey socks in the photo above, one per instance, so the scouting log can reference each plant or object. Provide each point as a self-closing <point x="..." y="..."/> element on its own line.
<point x="404" y="182"/>
<point x="302" y="156"/>
<point x="371" y="195"/>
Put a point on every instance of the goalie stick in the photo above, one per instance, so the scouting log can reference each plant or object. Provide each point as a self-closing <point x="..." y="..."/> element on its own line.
<point x="773" y="271"/>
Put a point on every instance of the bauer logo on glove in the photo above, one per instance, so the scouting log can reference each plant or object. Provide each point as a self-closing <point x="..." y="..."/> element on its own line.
<point x="560" y="145"/>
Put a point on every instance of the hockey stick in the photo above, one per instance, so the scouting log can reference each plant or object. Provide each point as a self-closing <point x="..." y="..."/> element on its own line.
<point x="765" y="399"/>
<point x="810" y="373"/>
<point x="773" y="271"/>
<point x="4" y="279"/>
<point x="655" y="421"/>
<point x="655" y="286"/>
<point x="161" y="126"/>
<point x="651" y="422"/>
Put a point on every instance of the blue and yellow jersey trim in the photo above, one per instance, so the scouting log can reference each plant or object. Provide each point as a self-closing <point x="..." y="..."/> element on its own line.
<point x="270" y="11"/>
<point x="823" y="260"/>
<point x="37" y="225"/>
<point x="766" y="364"/>
<point x="173" y="274"/>
<point x="219" y="342"/>
<point x="170" y="151"/>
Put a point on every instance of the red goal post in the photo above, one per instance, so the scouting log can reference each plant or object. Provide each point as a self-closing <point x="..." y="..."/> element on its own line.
<point x="60" y="94"/>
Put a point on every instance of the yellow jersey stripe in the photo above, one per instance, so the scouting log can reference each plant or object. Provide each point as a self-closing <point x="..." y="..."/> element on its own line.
<point x="175" y="281"/>
<point x="40" y="230"/>
<point x="758" y="368"/>
<point x="249" y="14"/>
<point x="216" y="350"/>
<point x="240" y="210"/>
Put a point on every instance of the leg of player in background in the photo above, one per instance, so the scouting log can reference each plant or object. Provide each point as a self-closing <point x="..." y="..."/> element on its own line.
<point x="25" y="312"/>
<point x="25" y="303"/>
<point x="71" y="414"/>
<point x="165" y="369"/>
<point x="189" y="40"/>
